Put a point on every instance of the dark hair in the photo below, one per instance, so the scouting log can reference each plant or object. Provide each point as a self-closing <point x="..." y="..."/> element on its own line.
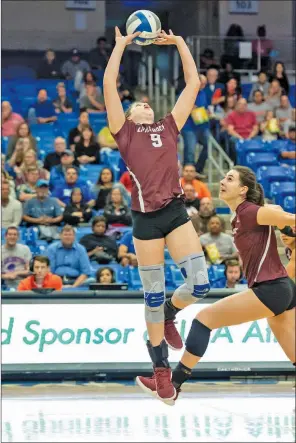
<point x="41" y="259"/>
<point x="75" y="190"/>
<point x="247" y="177"/>
<point x="258" y="90"/>
<point x="98" y="219"/>
<point x="92" y="138"/>
<point x="262" y="71"/>
<point x="232" y="262"/>
<point x="235" y="30"/>
<point x="101" y="39"/>
<point x="72" y="167"/>
<point x="279" y="63"/>
<point x="221" y="220"/>
<point x="94" y="78"/>
<point x="261" y="31"/>
<point x="99" y="272"/>
<point x="99" y="182"/>
<point x="11" y="227"/>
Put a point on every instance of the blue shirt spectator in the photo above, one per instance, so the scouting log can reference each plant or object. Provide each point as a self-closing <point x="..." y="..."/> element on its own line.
<point x="213" y="88"/>
<point x="44" y="109"/>
<point x="126" y="251"/>
<point x="127" y="240"/>
<point x="63" y="193"/>
<point x="201" y="103"/>
<point x="42" y="205"/>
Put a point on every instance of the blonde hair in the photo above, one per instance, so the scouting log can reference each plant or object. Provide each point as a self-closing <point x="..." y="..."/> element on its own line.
<point x="129" y="109"/>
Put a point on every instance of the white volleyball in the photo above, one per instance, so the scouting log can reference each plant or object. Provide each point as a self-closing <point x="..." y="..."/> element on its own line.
<point x="147" y="23"/>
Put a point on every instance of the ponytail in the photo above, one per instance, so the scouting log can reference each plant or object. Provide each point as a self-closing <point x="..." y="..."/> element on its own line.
<point x="247" y="178"/>
<point x="256" y="195"/>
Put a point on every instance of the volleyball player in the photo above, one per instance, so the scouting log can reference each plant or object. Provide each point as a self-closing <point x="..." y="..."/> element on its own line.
<point x="270" y="293"/>
<point x="149" y="150"/>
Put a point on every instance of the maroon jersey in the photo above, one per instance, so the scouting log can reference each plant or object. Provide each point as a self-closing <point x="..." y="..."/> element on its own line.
<point x="150" y="154"/>
<point x="256" y="245"/>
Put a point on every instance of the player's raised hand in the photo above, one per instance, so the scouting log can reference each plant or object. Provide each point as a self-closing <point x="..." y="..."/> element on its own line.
<point x="124" y="39"/>
<point x="166" y="39"/>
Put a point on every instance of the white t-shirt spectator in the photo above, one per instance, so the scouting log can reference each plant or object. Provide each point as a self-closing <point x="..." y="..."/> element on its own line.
<point x="14" y="260"/>
<point x="11" y="213"/>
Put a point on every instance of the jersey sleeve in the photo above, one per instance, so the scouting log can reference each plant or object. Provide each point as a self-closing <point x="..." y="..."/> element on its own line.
<point x="249" y="217"/>
<point x="124" y="135"/>
<point x="172" y="126"/>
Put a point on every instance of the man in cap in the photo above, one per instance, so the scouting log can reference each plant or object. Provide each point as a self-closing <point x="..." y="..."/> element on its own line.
<point x="74" y="65"/>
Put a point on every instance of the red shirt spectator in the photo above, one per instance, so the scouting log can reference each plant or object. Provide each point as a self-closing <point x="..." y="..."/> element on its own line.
<point x="10" y="120"/>
<point x="126" y="180"/>
<point x="242" y="123"/>
<point x="42" y="278"/>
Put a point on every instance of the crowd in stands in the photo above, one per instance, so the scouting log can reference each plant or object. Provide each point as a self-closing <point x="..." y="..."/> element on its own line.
<point x="65" y="191"/>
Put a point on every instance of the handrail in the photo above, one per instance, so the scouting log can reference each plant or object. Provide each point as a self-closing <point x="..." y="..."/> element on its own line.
<point x="213" y="145"/>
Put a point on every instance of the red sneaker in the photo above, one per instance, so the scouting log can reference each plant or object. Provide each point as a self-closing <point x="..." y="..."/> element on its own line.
<point x="148" y="384"/>
<point x="172" y="336"/>
<point x="165" y="389"/>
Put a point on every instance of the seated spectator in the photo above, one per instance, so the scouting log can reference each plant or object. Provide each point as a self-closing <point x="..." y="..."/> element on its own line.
<point x="54" y="158"/>
<point x="213" y="89"/>
<point x="116" y="210"/>
<point x="273" y="98"/>
<point x="99" y="56"/>
<point x="75" y="133"/>
<point x="74" y="65"/>
<point x="218" y="245"/>
<point x="259" y="106"/>
<point x="233" y="273"/>
<point x="92" y="101"/>
<point x="23" y="145"/>
<point x="291" y="122"/>
<point x="261" y="85"/>
<point x="69" y="259"/>
<point x="262" y="47"/>
<point x="126" y="181"/>
<point x="63" y="194"/>
<point x="222" y="112"/>
<point x="49" y="66"/>
<point x="15" y="259"/>
<point x="206" y="211"/>
<point x="196" y="223"/>
<point x="77" y="211"/>
<point x="242" y="124"/>
<point x="228" y="74"/>
<point x="233" y="89"/>
<point x="9" y="120"/>
<point x="99" y="246"/>
<point x="189" y="177"/>
<point x="191" y="202"/>
<point x="27" y="190"/>
<point x="42" y="277"/>
<point x="124" y="91"/>
<point x="289" y="240"/>
<point x="270" y="127"/>
<point x="22" y="131"/>
<point x="29" y="160"/>
<point x="103" y="187"/>
<point x="62" y="104"/>
<point x="5" y="177"/>
<point x="43" y="211"/>
<point x="106" y="139"/>
<point x="105" y="276"/>
<point x="11" y="209"/>
<point x="58" y="173"/>
<point x="43" y="110"/>
<point x="279" y="74"/>
<point x="82" y="80"/>
<point x="87" y="150"/>
<point x="126" y="251"/>
<point x="207" y="59"/>
<point x="288" y="153"/>
<point x="284" y="112"/>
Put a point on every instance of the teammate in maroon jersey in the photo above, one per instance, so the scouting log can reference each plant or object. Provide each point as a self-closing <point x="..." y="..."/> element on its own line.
<point x="149" y="150"/>
<point x="270" y="293"/>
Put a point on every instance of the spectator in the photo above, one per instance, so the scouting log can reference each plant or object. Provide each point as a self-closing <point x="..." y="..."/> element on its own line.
<point x="191" y="202"/>
<point x="207" y="59"/>
<point x="88" y="78"/>
<point x="69" y="259"/>
<point x="75" y="133"/>
<point x="87" y="150"/>
<point x="291" y="122"/>
<point x="234" y="36"/>
<point x="11" y="209"/>
<point x="99" y="56"/>
<point x="126" y="251"/>
<point x="105" y="276"/>
<point x="15" y="259"/>
<point x="49" y="67"/>
<point x="233" y="273"/>
<point x="284" y="112"/>
<point x="223" y="112"/>
<point x="228" y="73"/>
<point x="27" y="190"/>
<point x="116" y="210"/>
<point x="274" y="94"/>
<point x="6" y="177"/>
<point x="22" y="147"/>
<point x="288" y="153"/>
<point x="259" y="106"/>
<point x="62" y="104"/>
<point x="213" y="89"/>
<point x="261" y="47"/>
<point x="9" y="120"/>
<point x="22" y="131"/>
<point x="77" y="211"/>
<point x="189" y="177"/>
<point x="106" y="139"/>
<point x="233" y="89"/>
<point x="270" y="127"/>
<point x="124" y="91"/>
<point x="74" y="65"/>
<point x="99" y="246"/>
<point x="43" y="211"/>
<point x="206" y="211"/>
<point x="103" y="187"/>
<point x="29" y="159"/>
<point x="92" y="101"/>
<point x="279" y="74"/>
<point x="43" y="110"/>
<point x="63" y="194"/>
<point x="42" y="277"/>
<point x="218" y="245"/>
<point x="197" y="129"/>
<point x="54" y="158"/>
<point x="196" y="223"/>
<point x="261" y="85"/>
<point x="58" y="173"/>
<point x="126" y="181"/>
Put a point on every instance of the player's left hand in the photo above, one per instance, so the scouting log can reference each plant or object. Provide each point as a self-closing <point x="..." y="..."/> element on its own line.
<point x="124" y="39"/>
<point x="166" y="39"/>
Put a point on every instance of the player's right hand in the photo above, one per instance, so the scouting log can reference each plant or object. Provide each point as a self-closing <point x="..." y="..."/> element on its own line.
<point x="124" y="39"/>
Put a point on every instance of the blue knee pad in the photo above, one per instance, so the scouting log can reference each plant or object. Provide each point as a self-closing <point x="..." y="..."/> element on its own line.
<point x="198" y="338"/>
<point x="153" y="281"/>
<point x="195" y="273"/>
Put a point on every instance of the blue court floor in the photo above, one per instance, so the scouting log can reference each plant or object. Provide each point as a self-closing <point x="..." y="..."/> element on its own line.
<point x="111" y="412"/>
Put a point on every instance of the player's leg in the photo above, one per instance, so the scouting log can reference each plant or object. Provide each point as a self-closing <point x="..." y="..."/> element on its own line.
<point x="283" y="327"/>
<point x="185" y="249"/>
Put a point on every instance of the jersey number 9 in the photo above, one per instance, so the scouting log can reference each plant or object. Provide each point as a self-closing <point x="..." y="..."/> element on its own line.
<point x="156" y="140"/>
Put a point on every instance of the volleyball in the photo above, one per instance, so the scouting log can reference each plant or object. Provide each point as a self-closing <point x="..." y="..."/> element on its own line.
<point x="147" y="23"/>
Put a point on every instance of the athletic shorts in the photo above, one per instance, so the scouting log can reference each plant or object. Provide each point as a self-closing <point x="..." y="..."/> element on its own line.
<point x="277" y="295"/>
<point x="158" y="224"/>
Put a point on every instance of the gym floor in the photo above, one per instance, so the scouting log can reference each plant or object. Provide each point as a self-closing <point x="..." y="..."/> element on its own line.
<point x="258" y="411"/>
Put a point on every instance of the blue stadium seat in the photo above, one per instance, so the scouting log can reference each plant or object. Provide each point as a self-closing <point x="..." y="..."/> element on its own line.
<point x="292" y="95"/>
<point x="19" y="72"/>
<point x="255" y="160"/>
<point x="4" y="144"/>
<point x="177" y="277"/>
<point x="121" y="273"/>
<point x="216" y="272"/>
<point x="30" y="236"/>
<point x="246" y="146"/>
<point x="91" y="172"/>
<point x="246" y="89"/>
<point x="134" y="279"/>
<point x="289" y="204"/>
<point x="280" y="190"/>
<point x="268" y="174"/>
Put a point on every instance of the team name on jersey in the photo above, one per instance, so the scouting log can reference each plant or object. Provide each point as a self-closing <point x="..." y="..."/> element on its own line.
<point x="159" y="128"/>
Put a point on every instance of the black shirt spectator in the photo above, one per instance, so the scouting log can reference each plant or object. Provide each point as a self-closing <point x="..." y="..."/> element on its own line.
<point x="104" y="185"/>
<point x="77" y="211"/>
<point x="62" y="104"/>
<point x="117" y="212"/>
<point x="99" y="56"/>
<point x="228" y="74"/>
<point x="49" y="67"/>
<point x="279" y="73"/>
<point x="75" y="133"/>
<point x="87" y="150"/>
<point x="54" y="158"/>
<point x="99" y="246"/>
